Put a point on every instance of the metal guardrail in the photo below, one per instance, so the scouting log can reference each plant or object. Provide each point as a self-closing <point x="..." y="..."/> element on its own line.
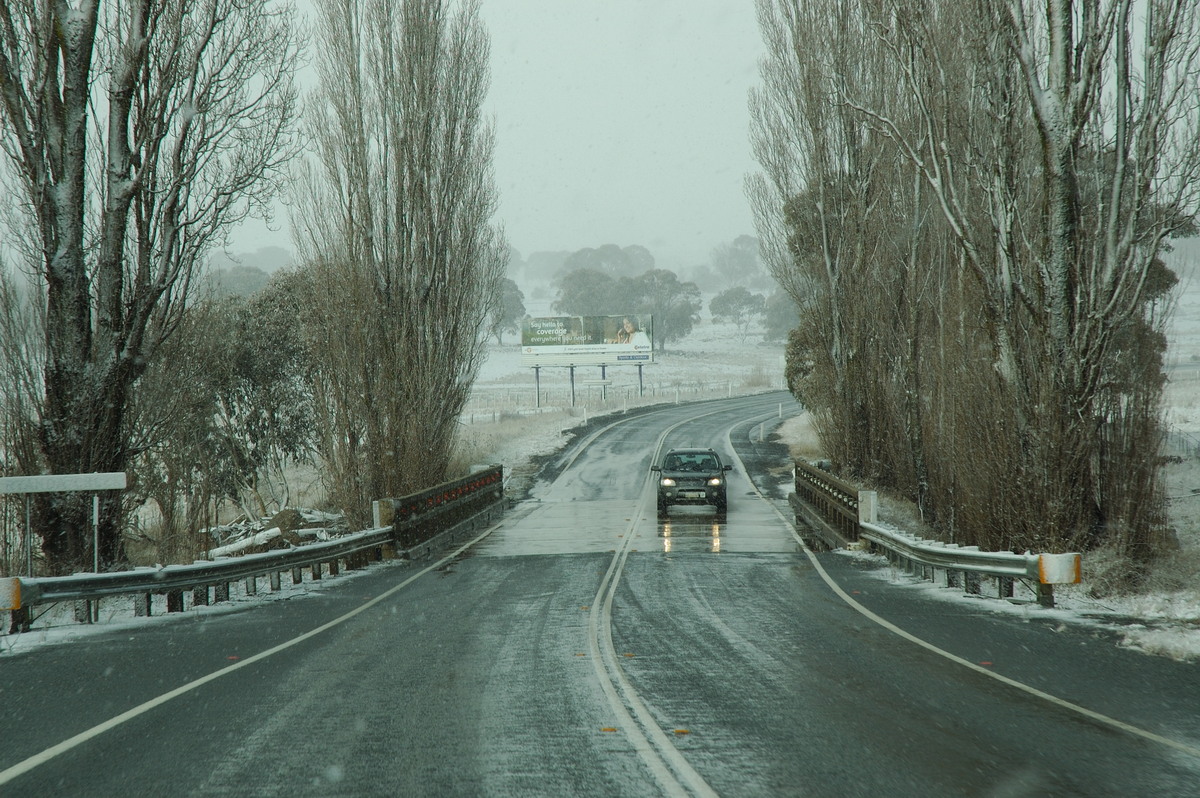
<point x="840" y="514"/>
<point x="836" y="500"/>
<point x="200" y="574"/>
<point x="419" y="518"/>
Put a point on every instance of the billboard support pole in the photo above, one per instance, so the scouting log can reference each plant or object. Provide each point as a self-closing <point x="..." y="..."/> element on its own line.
<point x="641" y="389"/>
<point x="537" y="386"/>
<point x="572" y="386"/>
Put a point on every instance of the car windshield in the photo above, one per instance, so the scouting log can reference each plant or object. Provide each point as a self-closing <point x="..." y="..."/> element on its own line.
<point x="701" y="462"/>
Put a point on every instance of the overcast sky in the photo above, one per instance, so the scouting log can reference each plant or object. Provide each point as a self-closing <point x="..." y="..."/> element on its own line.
<point x="618" y="122"/>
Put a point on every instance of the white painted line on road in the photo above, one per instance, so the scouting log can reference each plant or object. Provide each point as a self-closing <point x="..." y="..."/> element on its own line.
<point x="50" y="753"/>
<point x="1033" y="691"/>
<point x="667" y="763"/>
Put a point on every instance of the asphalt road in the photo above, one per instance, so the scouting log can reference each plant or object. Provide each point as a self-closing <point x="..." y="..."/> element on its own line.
<point x="584" y="648"/>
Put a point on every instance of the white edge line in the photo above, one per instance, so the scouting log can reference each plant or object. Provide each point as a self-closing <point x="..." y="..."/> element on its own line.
<point x="53" y="751"/>
<point x="656" y="749"/>
<point x="1025" y="688"/>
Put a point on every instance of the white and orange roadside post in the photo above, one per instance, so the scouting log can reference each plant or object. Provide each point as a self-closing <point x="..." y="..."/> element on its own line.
<point x="1057" y="569"/>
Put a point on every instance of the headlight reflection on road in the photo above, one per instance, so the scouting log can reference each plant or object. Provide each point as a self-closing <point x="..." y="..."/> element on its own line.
<point x="692" y="531"/>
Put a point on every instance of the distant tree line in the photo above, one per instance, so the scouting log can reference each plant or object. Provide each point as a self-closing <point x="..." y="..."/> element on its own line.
<point x="613" y="280"/>
<point x="968" y="202"/>
<point x="599" y="283"/>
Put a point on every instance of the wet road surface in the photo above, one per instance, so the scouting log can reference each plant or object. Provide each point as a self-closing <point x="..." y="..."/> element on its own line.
<point x="585" y="648"/>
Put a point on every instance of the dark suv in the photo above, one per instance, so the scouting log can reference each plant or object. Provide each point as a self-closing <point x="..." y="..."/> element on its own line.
<point x="691" y="476"/>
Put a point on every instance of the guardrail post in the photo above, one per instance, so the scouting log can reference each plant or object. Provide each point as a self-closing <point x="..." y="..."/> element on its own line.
<point x="200" y="596"/>
<point x="316" y="571"/>
<point x="382" y="512"/>
<point x="141" y="605"/>
<point x="297" y="576"/>
<point x="175" y="601"/>
<point x="868" y="507"/>
<point x="1057" y="569"/>
<point x="251" y="585"/>
<point x="333" y="568"/>
<point x="20" y="621"/>
<point x="276" y="582"/>
<point x="972" y="583"/>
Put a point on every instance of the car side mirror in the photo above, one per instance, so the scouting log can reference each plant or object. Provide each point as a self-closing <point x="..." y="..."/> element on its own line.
<point x="655" y="468"/>
<point x="728" y="467"/>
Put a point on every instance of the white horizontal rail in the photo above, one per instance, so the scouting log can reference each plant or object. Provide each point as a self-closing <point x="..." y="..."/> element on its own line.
<point x="431" y="510"/>
<point x="1043" y="570"/>
<point x="951" y="556"/>
<point x="182" y="577"/>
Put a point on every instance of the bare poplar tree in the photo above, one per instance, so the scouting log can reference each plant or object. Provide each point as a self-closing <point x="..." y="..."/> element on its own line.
<point x="1070" y="244"/>
<point x="139" y="131"/>
<point x="829" y="207"/>
<point x="395" y="220"/>
<point x="1042" y="151"/>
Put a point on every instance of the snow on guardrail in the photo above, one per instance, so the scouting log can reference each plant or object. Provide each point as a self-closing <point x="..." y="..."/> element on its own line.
<point x="853" y="515"/>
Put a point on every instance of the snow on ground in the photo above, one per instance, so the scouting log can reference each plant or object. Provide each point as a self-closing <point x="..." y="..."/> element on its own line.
<point x="504" y="424"/>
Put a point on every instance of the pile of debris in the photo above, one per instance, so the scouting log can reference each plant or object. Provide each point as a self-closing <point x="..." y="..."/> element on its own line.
<point x="286" y="529"/>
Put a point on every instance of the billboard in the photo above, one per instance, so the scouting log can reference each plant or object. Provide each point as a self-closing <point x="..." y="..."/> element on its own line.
<point x="587" y="340"/>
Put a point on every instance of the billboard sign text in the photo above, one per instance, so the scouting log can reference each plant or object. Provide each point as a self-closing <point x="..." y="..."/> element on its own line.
<point x="587" y="340"/>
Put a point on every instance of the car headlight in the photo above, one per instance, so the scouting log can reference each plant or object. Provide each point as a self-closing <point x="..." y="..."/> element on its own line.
<point x="667" y="482"/>
<point x="715" y="481"/>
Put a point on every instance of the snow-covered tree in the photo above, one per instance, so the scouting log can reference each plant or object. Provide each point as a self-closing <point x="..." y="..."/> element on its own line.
<point x="135" y="134"/>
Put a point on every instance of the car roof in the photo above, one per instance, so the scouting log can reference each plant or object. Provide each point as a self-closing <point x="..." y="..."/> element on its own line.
<point x="691" y="450"/>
